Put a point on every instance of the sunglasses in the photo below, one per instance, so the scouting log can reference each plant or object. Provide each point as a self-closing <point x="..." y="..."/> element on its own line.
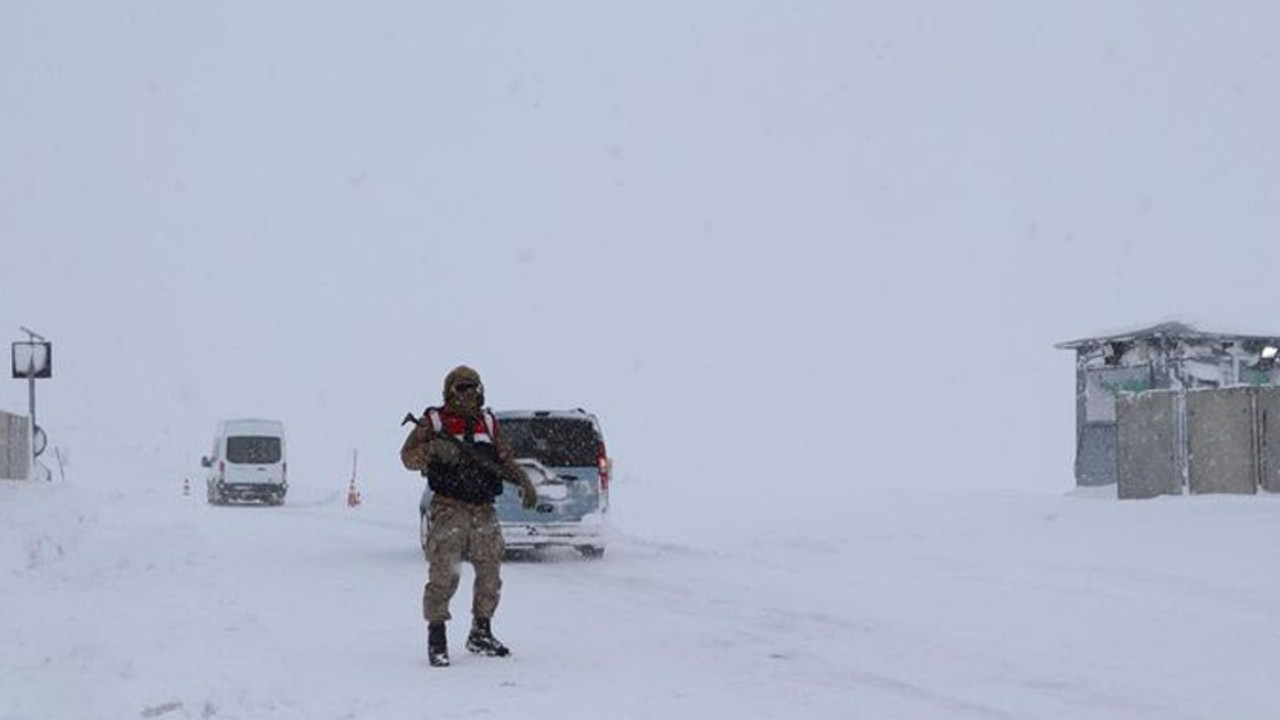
<point x="468" y="387"/>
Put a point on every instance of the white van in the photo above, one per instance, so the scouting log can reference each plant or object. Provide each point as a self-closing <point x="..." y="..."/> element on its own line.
<point x="248" y="462"/>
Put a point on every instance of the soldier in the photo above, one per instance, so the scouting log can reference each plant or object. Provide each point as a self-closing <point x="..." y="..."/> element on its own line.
<point x="466" y="461"/>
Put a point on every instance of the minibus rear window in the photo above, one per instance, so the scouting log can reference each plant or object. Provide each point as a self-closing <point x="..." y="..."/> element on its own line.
<point x="253" y="450"/>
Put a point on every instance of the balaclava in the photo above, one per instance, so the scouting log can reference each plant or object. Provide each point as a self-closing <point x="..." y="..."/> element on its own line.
<point x="467" y="404"/>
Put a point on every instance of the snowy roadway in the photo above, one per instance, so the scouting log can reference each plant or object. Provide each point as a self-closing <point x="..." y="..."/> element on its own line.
<point x="142" y="603"/>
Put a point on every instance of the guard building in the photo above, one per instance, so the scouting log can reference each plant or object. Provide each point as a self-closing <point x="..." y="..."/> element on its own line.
<point x="1169" y="356"/>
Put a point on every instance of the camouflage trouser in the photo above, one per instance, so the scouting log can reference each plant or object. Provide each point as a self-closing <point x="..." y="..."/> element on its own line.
<point x="462" y="531"/>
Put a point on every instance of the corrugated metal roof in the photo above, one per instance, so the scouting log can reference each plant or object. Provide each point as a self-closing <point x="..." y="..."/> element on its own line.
<point x="1177" y="330"/>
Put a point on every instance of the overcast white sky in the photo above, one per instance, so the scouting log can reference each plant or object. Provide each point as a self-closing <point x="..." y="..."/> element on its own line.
<point x="825" y="234"/>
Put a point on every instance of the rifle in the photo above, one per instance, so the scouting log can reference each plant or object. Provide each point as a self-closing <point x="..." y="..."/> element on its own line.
<point x="468" y="453"/>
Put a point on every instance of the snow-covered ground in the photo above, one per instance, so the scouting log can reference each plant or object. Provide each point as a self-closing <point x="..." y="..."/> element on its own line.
<point x="135" y="601"/>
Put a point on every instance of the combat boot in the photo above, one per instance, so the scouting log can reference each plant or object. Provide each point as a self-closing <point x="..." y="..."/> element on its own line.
<point x="437" y="645"/>
<point x="482" y="641"/>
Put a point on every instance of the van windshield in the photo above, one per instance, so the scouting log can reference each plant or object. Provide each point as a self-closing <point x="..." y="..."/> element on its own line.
<point x="554" y="442"/>
<point x="253" y="450"/>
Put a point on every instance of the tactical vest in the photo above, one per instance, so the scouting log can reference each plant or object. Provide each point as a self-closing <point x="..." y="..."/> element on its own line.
<point x="476" y="476"/>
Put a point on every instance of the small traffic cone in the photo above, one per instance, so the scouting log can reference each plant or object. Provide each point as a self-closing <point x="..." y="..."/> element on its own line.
<point x="186" y="486"/>
<point x="353" y="497"/>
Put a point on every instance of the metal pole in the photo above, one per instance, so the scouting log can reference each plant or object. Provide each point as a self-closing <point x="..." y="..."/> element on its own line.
<point x="32" y="336"/>
<point x="31" y="395"/>
<point x="31" y="389"/>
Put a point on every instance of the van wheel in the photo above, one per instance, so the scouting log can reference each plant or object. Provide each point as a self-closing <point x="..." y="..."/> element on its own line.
<point x="591" y="552"/>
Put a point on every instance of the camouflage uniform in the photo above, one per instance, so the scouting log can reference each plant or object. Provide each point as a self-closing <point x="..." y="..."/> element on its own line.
<point x="463" y="521"/>
<point x="462" y="531"/>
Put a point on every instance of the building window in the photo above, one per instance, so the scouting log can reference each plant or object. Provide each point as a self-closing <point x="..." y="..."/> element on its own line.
<point x="1101" y="386"/>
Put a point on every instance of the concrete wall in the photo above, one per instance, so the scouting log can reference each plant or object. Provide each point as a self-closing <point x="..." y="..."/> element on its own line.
<point x="1221" y="452"/>
<point x="1268" y="427"/>
<point x="15" y="446"/>
<point x="1223" y="440"/>
<point x="1147" y="445"/>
